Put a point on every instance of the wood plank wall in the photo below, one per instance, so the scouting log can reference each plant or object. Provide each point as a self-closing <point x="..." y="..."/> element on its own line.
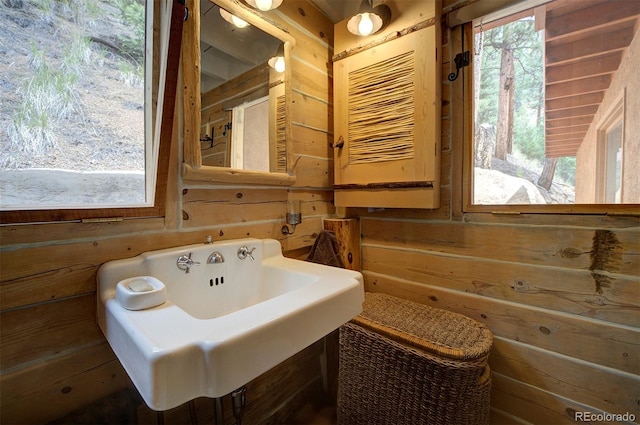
<point x="567" y="336"/>
<point x="561" y="345"/>
<point x="54" y="358"/>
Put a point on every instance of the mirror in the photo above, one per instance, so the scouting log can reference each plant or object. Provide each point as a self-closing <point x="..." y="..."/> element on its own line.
<point x="241" y="114"/>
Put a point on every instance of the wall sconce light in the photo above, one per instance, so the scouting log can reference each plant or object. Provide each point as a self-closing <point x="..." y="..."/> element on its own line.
<point x="277" y="62"/>
<point x="293" y="217"/>
<point x="233" y="19"/>
<point x="369" y="20"/>
<point x="264" y="5"/>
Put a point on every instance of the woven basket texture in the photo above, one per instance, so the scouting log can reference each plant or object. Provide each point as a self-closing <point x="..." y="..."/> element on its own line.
<point x="390" y="376"/>
<point x="435" y="330"/>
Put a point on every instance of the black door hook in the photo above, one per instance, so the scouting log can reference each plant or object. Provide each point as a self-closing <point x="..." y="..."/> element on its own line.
<point x="461" y="60"/>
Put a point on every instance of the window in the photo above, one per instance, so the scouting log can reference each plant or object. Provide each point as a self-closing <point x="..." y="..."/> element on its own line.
<point x="610" y="139"/>
<point x="83" y="125"/>
<point x="613" y="165"/>
<point x="543" y="79"/>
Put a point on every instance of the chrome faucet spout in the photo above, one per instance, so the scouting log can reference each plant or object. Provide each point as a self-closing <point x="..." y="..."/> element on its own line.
<point x="215" y="258"/>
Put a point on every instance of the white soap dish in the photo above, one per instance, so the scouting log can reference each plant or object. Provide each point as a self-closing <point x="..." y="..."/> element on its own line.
<point x="140" y="292"/>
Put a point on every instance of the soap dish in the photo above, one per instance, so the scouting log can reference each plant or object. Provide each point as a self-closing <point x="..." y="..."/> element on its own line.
<point x="140" y="292"/>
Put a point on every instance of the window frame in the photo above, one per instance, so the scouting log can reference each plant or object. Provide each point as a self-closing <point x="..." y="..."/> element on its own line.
<point x="237" y="134"/>
<point x="614" y="116"/>
<point x="165" y="139"/>
<point x="468" y="141"/>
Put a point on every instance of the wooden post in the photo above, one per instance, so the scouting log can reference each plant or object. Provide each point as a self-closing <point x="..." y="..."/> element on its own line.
<point x="347" y="231"/>
<point x="191" y="86"/>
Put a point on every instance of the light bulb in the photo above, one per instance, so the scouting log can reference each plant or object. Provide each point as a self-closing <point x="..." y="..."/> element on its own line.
<point x="279" y="65"/>
<point x="264" y="5"/>
<point x="239" y="22"/>
<point x="233" y="19"/>
<point x="365" y="26"/>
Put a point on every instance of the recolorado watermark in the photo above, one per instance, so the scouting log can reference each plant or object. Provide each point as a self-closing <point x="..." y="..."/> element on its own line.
<point x="603" y="417"/>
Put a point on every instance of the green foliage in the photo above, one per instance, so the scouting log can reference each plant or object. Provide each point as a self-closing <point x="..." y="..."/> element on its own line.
<point x="132" y="14"/>
<point x="71" y="10"/>
<point x="130" y="75"/>
<point x="528" y="138"/>
<point x="59" y="83"/>
<point x="76" y="54"/>
<point x="49" y="95"/>
<point x="566" y="169"/>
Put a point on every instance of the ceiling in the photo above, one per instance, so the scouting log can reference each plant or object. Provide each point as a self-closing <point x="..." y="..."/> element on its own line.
<point x="584" y="43"/>
<point x="338" y="10"/>
<point x="227" y="51"/>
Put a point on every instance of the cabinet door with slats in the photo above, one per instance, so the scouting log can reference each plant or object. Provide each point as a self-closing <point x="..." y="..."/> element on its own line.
<point x="387" y="121"/>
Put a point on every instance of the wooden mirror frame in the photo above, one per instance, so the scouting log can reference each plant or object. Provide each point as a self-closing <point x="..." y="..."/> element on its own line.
<point x="192" y="168"/>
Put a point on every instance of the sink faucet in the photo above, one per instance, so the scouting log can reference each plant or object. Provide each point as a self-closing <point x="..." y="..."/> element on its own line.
<point x="185" y="263"/>
<point x="244" y="252"/>
<point x="215" y="258"/>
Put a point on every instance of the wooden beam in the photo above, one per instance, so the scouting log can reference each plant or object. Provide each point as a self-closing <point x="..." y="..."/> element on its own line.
<point x="506" y="20"/>
<point x="569" y="122"/>
<point x="586" y="19"/>
<point x="573" y="101"/>
<point x="562" y="144"/>
<point x="191" y="85"/>
<point x="560" y="154"/>
<point x="598" y="65"/>
<point x="567" y="130"/>
<point x="569" y="136"/>
<point x="573" y="112"/>
<point x="576" y="87"/>
<point x="561" y="7"/>
<point x="540" y="17"/>
<point x="565" y="145"/>
<point x="596" y="43"/>
<point x="562" y="149"/>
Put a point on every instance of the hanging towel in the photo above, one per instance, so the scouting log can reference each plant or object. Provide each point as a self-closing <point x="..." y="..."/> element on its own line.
<point x="325" y="250"/>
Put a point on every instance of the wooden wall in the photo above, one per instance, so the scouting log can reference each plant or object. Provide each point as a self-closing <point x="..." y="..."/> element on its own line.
<point x="564" y="314"/>
<point x="561" y="293"/>
<point x="54" y="358"/>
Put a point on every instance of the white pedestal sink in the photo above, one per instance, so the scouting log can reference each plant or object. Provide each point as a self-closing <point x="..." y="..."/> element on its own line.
<point x="211" y="330"/>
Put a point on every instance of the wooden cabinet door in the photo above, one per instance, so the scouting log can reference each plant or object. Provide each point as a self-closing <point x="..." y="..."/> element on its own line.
<point x="387" y="122"/>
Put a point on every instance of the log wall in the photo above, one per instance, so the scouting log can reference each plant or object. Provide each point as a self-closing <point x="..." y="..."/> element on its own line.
<point x="54" y="359"/>
<point x="566" y="321"/>
<point x="561" y="293"/>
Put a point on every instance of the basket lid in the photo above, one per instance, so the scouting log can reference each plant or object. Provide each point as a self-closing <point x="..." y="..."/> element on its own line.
<point x="441" y="332"/>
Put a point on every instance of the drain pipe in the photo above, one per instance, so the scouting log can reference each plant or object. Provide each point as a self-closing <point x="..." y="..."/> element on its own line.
<point x="219" y="411"/>
<point x="239" y="400"/>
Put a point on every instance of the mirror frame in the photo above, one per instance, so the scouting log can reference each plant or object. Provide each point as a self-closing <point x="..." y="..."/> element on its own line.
<point x="192" y="168"/>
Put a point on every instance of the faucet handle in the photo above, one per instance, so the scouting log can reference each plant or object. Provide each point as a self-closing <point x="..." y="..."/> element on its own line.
<point x="185" y="263"/>
<point x="244" y="252"/>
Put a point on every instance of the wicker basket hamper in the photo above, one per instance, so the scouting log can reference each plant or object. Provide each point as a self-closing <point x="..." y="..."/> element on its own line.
<point x="406" y="363"/>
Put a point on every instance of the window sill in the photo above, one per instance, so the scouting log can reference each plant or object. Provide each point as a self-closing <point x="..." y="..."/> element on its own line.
<point x="235" y="176"/>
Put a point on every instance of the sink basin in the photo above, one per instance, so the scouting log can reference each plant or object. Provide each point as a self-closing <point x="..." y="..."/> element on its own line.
<point x="209" y="331"/>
